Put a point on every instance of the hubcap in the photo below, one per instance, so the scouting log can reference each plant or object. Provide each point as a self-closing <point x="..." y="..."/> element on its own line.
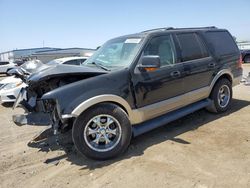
<point x="224" y="96"/>
<point x="102" y="133"/>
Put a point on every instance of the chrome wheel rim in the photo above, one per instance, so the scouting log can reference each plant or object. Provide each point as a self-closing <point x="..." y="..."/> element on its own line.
<point x="102" y="133"/>
<point x="224" y="96"/>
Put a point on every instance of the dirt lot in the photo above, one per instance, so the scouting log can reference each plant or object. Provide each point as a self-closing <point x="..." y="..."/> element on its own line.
<point x="200" y="150"/>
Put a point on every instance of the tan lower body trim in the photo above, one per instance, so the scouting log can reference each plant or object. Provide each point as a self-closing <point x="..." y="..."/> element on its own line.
<point x="154" y="110"/>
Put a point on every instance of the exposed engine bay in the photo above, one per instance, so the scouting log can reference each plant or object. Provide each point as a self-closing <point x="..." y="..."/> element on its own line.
<point x="37" y="90"/>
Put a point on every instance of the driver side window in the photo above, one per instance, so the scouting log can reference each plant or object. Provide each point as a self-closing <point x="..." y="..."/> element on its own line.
<point x="163" y="47"/>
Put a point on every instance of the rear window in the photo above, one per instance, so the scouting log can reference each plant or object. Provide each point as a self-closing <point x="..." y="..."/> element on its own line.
<point x="222" y="42"/>
<point x="192" y="47"/>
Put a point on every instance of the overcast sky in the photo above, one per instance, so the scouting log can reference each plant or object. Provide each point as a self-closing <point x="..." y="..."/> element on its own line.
<point x="89" y="23"/>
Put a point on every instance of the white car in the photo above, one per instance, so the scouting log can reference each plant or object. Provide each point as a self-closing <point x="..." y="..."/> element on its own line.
<point x="5" y="66"/>
<point x="11" y="86"/>
<point x="68" y="61"/>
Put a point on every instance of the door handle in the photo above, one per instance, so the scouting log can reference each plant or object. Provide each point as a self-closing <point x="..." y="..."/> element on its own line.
<point x="175" y="74"/>
<point x="211" y="65"/>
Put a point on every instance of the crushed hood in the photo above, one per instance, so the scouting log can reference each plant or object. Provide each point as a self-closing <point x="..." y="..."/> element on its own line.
<point x="62" y="70"/>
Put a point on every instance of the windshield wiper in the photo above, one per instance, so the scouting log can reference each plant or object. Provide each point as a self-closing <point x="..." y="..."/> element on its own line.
<point x="101" y="66"/>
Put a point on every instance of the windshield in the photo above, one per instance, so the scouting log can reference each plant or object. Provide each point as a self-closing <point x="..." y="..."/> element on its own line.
<point x="115" y="54"/>
<point x="54" y="62"/>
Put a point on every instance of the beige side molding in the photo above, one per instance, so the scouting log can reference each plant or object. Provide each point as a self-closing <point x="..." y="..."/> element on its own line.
<point x="153" y="110"/>
<point x="99" y="99"/>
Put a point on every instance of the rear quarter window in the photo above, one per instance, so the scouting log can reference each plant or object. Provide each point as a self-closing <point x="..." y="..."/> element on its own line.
<point x="222" y="43"/>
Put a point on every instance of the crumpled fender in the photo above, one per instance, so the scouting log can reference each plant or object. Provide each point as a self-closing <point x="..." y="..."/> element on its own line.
<point x="68" y="97"/>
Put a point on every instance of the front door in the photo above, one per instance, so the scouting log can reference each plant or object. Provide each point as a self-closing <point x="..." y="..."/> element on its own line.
<point x="163" y="83"/>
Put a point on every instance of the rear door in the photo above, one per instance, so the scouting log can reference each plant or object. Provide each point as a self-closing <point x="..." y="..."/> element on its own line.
<point x="198" y="65"/>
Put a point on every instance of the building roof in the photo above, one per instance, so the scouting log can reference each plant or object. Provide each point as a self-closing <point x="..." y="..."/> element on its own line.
<point x="63" y="51"/>
<point x="29" y="49"/>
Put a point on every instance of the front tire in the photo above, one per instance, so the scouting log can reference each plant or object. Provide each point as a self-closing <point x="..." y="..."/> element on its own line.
<point x="221" y="96"/>
<point x="102" y="132"/>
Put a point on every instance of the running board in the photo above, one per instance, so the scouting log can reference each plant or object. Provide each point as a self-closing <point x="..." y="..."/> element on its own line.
<point x="169" y="117"/>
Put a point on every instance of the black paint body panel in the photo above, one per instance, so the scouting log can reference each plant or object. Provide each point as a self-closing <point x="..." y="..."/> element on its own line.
<point x="70" y="96"/>
<point x="139" y="89"/>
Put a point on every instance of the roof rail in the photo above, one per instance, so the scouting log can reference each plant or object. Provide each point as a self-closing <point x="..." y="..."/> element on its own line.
<point x="158" y="29"/>
<point x="172" y="28"/>
<point x="209" y="27"/>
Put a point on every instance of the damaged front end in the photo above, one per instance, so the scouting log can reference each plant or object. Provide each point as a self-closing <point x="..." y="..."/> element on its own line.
<point x="37" y="111"/>
<point x="46" y="112"/>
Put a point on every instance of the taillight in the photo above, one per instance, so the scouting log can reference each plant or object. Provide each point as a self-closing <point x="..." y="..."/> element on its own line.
<point x="240" y="62"/>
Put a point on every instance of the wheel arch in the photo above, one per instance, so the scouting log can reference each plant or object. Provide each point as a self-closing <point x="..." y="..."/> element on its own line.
<point x="225" y="73"/>
<point x="113" y="99"/>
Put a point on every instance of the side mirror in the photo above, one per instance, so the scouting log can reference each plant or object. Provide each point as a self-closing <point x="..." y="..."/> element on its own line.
<point x="149" y="63"/>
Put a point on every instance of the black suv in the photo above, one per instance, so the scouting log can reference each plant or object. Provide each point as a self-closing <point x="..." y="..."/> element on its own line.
<point x="134" y="84"/>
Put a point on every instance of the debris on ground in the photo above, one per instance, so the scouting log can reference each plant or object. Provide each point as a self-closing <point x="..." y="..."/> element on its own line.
<point x="246" y="79"/>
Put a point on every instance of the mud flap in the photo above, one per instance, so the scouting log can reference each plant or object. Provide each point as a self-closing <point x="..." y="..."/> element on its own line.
<point x="34" y="118"/>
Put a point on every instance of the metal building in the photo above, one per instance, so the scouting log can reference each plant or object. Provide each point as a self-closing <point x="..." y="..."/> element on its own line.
<point x="14" y="55"/>
<point x="45" y="54"/>
<point x="244" y="45"/>
<point x="48" y="55"/>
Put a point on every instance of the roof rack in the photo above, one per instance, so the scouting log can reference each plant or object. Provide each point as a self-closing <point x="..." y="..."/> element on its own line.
<point x="158" y="29"/>
<point x="172" y="28"/>
<point x="209" y="27"/>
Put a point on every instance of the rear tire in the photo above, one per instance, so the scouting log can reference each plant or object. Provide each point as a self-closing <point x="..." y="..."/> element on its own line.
<point x="221" y="96"/>
<point x="102" y="132"/>
<point x="247" y="59"/>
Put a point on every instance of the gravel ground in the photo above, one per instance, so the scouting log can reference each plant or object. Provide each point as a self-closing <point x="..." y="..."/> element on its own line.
<point x="200" y="150"/>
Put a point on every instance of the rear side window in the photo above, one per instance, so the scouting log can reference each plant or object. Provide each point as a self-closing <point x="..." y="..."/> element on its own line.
<point x="192" y="47"/>
<point x="72" y="62"/>
<point x="222" y="42"/>
<point x="4" y="63"/>
<point x="81" y="61"/>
